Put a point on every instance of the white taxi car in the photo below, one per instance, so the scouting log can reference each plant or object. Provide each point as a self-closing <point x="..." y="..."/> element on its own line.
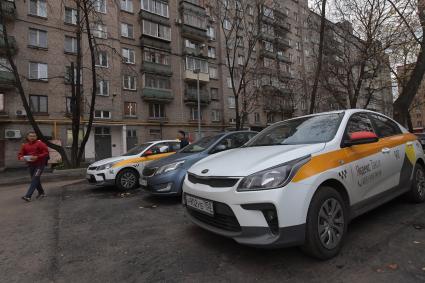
<point x="124" y="171"/>
<point x="300" y="181"/>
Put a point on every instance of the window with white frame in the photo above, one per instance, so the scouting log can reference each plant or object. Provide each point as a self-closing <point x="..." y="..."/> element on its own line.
<point x="227" y="24"/>
<point x="38" y="8"/>
<point x="70" y="44"/>
<point x="157" y="81"/>
<point x="129" y="82"/>
<point x="214" y="93"/>
<point x="69" y="74"/>
<point x="215" y="115"/>
<point x="250" y="10"/>
<point x="38" y="71"/>
<point x="229" y="82"/>
<point x="194" y="20"/>
<point x="156" y="7"/>
<point x="102" y="59"/>
<point x="102" y="87"/>
<point x="194" y="113"/>
<point x="102" y="114"/>
<point x="70" y="16"/>
<point x="156" y="110"/>
<point x="188" y="43"/>
<point x="100" y="6"/>
<point x="37" y="38"/>
<point x="156" y="30"/>
<point x="211" y="32"/>
<point x="1" y="102"/>
<point x="128" y="55"/>
<point x="156" y="56"/>
<point x="193" y="63"/>
<point x="257" y="118"/>
<point x="100" y="31"/>
<point x="127" y="5"/>
<point x="213" y="72"/>
<point x="127" y="30"/>
<point x="211" y="52"/>
<point x="241" y="60"/>
<point x="231" y="102"/>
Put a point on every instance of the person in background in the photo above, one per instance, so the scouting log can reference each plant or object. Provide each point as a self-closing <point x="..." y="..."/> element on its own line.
<point x="36" y="154"/>
<point x="183" y="140"/>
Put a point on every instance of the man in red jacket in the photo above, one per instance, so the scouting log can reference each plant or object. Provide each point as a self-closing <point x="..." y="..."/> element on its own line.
<point x="35" y="153"/>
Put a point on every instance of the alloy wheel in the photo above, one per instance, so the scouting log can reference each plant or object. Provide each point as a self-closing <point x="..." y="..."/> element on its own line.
<point x="330" y="223"/>
<point x="128" y="180"/>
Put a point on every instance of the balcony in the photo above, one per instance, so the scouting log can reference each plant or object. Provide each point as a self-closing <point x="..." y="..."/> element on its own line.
<point x="9" y="9"/>
<point x="7" y="80"/>
<point x="283" y="42"/>
<point x="195" y="52"/>
<point x="190" y="75"/>
<point x="191" y="97"/>
<point x="284" y="58"/>
<point x="195" y="33"/>
<point x="12" y="44"/>
<point x="267" y="53"/>
<point x="146" y="40"/>
<point x="149" y="67"/>
<point x="157" y="95"/>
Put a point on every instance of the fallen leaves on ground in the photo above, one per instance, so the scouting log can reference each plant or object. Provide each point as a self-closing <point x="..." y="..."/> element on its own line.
<point x="392" y="266"/>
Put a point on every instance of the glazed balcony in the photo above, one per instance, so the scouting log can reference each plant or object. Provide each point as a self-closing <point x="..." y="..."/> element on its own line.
<point x="191" y="97"/>
<point x="7" y="79"/>
<point x="9" y="9"/>
<point x="12" y="44"/>
<point x="190" y="75"/>
<point x="150" y="67"/>
<point x="157" y="95"/>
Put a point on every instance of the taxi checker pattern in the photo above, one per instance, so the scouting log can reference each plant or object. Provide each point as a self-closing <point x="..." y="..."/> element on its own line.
<point x="335" y="183"/>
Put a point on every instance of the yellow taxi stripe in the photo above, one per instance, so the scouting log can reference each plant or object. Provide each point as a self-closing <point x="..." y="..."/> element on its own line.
<point x="142" y="159"/>
<point x="333" y="159"/>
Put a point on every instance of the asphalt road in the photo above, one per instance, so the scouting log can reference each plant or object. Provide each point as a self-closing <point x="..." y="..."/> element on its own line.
<point x="84" y="234"/>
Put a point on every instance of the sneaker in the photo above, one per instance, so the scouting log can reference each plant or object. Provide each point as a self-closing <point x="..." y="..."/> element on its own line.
<point x="26" y="199"/>
<point x="40" y="196"/>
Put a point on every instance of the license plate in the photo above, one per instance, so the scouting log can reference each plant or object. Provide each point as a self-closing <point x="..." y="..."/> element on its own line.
<point x="202" y="205"/>
<point x="144" y="182"/>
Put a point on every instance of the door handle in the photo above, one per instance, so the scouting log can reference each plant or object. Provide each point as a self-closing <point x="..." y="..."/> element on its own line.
<point x="386" y="150"/>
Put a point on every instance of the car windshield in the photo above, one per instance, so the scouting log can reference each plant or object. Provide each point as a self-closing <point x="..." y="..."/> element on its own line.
<point x="137" y="149"/>
<point x="201" y="144"/>
<point x="304" y="130"/>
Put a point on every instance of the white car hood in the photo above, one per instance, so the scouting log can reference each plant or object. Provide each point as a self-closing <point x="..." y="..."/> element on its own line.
<point x="109" y="160"/>
<point x="245" y="161"/>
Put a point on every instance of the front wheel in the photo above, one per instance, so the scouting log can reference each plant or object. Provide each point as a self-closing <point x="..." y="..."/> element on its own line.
<point x="417" y="190"/>
<point x="326" y="225"/>
<point x="127" y="179"/>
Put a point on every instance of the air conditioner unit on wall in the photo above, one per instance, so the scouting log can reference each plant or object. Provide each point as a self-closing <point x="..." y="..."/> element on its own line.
<point x="12" y="134"/>
<point x="21" y="113"/>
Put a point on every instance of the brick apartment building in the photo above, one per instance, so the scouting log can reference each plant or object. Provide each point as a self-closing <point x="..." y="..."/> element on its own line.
<point x="147" y="85"/>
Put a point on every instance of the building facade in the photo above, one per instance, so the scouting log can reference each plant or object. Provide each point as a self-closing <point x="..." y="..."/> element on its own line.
<point x="151" y="54"/>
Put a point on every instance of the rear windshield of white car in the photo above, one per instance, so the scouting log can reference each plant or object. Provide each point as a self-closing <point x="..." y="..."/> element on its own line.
<point x="137" y="149"/>
<point x="201" y="144"/>
<point x="304" y="130"/>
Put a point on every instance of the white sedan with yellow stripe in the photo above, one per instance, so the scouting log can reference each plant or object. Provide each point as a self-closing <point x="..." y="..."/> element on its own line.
<point x="124" y="171"/>
<point x="300" y="181"/>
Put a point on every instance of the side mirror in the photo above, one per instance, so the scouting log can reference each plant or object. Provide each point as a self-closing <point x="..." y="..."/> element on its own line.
<point x="147" y="153"/>
<point x="363" y="137"/>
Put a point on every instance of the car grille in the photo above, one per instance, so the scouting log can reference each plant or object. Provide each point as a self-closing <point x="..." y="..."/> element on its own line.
<point x="148" y="171"/>
<point x="93" y="168"/>
<point x="223" y="218"/>
<point x="213" y="182"/>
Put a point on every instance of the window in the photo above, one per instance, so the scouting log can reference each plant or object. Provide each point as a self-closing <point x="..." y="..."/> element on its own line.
<point x="268" y="62"/>
<point x="127" y="5"/>
<point x="70" y="16"/>
<point x="227" y="24"/>
<point x="156" y="30"/>
<point x="194" y="20"/>
<point x="70" y="44"/>
<point x="229" y="82"/>
<point x="37" y="38"/>
<point x="214" y="93"/>
<point x="156" y="56"/>
<point x="158" y="82"/>
<point x="215" y="115"/>
<point x="38" y="8"/>
<point x="68" y="75"/>
<point x="102" y="59"/>
<point x="100" y="6"/>
<point x="100" y="31"/>
<point x="211" y="52"/>
<point x="241" y="60"/>
<point x="385" y="127"/>
<point x="359" y="122"/>
<point x="130" y="109"/>
<point x="38" y="71"/>
<point x="194" y="114"/>
<point x="156" y="110"/>
<point x="191" y="44"/>
<point x="268" y="12"/>
<point x="38" y="104"/>
<point x="68" y="108"/>
<point x="193" y="63"/>
<point x="127" y="30"/>
<point x="102" y="87"/>
<point x="211" y="32"/>
<point x="257" y="118"/>
<point x="268" y="46"/>
<point x="1" y="102"/>
<point x="213" y="72"/>
<point x="270" y="118"/>
<point x="250" y="10"/>
<point x="231" y="101"/>
<point x="156" y="7"/>
<point x="129" y="82"/>
<point x="128" y="56"/>
<point x="298" y="46"/>
<point x="102" y="114"/>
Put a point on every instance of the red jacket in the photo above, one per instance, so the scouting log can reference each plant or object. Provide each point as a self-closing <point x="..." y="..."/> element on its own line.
<point x="36" y="148"/>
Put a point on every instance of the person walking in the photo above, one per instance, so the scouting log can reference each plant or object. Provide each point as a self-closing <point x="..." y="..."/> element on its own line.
<point x="36" y="154"/>
<point x="183" y="140"/>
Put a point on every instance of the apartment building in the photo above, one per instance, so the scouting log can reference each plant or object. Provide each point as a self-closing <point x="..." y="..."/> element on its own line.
<point x="151" y="55"/>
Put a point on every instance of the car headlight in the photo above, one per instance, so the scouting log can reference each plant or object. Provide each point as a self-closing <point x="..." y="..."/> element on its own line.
<point x="272" y="178"/>
<point x="169" y="167"/>
<point x="107" y="165"/>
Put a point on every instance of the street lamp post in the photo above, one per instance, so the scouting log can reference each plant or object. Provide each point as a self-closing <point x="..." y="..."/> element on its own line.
<point x="197" y="71"/>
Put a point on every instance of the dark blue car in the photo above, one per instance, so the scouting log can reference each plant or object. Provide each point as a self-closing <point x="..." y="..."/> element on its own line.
<point x="166" y="176"/>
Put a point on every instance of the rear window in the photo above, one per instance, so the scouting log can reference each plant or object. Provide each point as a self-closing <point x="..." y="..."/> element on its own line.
<point x="384" y="126"/>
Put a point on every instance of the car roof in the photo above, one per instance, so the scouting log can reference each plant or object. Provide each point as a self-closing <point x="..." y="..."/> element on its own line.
<point x="160" y="141"/>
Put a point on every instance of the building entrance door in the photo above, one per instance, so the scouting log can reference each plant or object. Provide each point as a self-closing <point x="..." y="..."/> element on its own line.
<point x="102" y="143"/>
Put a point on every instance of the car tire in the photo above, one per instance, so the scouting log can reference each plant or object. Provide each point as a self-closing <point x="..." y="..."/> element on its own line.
<point x="127" y="179"/>
<point x="417" y="189"/>
<point x="326" y="224"/>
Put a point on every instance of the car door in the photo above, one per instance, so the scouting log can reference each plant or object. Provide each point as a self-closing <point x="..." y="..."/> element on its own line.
<point x="367" y="166"/>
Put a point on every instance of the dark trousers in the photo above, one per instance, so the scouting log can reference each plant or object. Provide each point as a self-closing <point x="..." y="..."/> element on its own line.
<point x="35" y="172"/>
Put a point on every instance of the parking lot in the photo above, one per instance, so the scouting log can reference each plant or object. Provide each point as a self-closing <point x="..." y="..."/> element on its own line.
<point x="81" y="233"/>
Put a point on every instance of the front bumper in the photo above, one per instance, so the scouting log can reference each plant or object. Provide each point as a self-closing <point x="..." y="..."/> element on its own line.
<point x="100" y="178"/>
<point x="269" y="218"/>
<point x="168" y="184"/>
